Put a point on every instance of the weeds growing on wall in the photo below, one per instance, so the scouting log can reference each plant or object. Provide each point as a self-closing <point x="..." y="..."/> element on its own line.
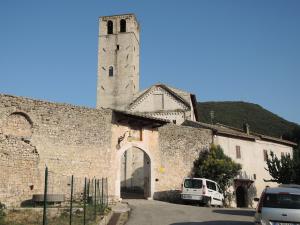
<point x="2" y="213"/>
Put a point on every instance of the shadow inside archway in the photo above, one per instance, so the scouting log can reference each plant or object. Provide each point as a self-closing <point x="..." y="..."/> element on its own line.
<point x="219" y="222"/>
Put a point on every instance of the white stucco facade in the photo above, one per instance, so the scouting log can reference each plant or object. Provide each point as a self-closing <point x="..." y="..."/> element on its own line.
<point x="252" y="159"/>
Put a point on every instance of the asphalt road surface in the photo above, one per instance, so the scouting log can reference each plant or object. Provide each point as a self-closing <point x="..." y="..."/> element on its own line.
<point x="147" y="212"/>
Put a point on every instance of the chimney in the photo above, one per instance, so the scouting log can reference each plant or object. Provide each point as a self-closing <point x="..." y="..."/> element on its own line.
<point x="246" y="128"/>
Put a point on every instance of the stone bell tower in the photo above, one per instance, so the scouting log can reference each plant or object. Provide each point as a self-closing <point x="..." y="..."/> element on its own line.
<point x="118" y="61"/>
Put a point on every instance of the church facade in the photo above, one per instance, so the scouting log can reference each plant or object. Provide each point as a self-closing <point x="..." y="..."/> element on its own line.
<point x="144" y="141"/>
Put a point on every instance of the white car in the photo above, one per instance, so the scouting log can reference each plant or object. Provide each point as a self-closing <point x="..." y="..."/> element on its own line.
<point x="201" y="190"/>
<point x="279" y="206"/>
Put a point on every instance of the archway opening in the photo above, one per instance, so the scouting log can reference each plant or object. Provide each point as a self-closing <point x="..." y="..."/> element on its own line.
<point x="241" y="197"/>
<point x="135" y="182"/>
<point x="110" y="27"/>
<point x="123" y="25"/>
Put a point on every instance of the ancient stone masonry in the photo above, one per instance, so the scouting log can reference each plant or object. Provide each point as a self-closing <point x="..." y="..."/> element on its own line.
<point x="66" y="138"/>
<point x="129" y="138"/>
<point x="179" y="147"/>
<point x="19" y="174"/>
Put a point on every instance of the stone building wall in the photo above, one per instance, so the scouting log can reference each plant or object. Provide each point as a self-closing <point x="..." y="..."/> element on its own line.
<point x="119" y="50"/>
<point x="68" y="139"/>
<point x="179" y="148"/>
<point x="19" y="170"/>
<point x="171" y="150"/>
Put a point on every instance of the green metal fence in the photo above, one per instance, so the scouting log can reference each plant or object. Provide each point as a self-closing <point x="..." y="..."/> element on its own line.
<point x="71" y="200"/>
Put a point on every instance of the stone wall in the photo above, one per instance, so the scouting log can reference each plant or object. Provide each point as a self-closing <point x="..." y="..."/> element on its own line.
<point x="68" y="139"/>
<point x="18" y="170"/>
<point x="179" y="147"/>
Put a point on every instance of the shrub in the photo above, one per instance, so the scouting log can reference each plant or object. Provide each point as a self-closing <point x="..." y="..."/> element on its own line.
<point x="2" y="213"/>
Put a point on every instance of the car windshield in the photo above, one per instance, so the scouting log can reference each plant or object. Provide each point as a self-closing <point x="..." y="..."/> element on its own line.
<point x="282" y="200"/>
<point x="192" y="183"/>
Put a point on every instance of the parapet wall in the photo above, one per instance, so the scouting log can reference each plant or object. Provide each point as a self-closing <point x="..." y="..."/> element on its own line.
<point x="66" y="138"/>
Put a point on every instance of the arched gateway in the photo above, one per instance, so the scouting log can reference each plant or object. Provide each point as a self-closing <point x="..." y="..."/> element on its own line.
<point x="136" y="178"/>
<point x="135" y="137"/>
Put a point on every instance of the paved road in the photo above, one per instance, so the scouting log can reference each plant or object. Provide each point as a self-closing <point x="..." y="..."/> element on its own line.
<point x="146" y="212"/>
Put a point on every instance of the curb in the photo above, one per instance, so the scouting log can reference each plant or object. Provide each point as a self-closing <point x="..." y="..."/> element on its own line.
<point x="105" y="220"/>
<point x="120" y="214"/>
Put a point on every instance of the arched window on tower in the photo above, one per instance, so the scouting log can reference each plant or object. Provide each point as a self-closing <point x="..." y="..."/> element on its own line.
<point x="123" y="25"/>
<point x="110" y="71"/>
<point x="110" y="27"/>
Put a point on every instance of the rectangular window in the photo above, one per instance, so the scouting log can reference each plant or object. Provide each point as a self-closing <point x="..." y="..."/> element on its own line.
<point x="238" y="152"/>
<point x="282" y="154"/>
<point x="282" y="200"/>
<point x="265" y="155"/>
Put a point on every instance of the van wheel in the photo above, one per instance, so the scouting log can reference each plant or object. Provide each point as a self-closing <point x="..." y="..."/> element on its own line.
<point x="208" y="204"/>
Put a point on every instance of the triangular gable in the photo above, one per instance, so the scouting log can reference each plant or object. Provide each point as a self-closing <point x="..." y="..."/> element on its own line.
<point x="168" y="93"/>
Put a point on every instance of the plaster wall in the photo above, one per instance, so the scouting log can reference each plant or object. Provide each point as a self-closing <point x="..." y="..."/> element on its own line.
<point x="148" y="144"/>
<point x="252" y="160"/>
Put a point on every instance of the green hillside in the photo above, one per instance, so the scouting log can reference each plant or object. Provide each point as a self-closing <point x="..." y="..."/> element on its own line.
<point x="237" y="113"/>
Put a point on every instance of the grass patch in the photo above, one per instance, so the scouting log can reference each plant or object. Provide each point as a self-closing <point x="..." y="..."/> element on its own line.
<point x="34" y="216"/>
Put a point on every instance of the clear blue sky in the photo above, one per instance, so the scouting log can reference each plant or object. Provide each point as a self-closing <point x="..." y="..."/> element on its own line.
<point x="219" y="50"/>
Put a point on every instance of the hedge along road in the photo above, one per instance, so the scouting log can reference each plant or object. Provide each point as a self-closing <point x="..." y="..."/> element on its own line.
<point x="147" y="212"/>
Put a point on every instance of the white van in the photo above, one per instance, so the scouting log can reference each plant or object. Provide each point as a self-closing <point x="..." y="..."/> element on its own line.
<point x="201" y="190"/>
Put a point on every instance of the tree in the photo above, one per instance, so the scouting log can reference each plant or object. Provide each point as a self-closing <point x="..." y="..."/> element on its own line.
<point x="287" y="169"/>
<point x="215" y="165"/>
<point x="281" y="170"/>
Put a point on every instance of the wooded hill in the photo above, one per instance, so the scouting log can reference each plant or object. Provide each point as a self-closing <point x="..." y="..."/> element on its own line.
<point x="235" y="114"/>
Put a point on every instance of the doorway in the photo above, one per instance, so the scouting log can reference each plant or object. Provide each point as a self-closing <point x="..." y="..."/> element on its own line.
<point x="241" y="197"/>
<point x="135" y="174"/>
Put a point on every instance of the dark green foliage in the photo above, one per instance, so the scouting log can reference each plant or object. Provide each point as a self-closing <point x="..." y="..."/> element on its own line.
<point x="293" y="135"/>
<point x="2" y="214"/>
<point x="296" y="158"/>
<point x="287" y="169"/>
<point x="281" y="170"/>
<point x="215" y="165"/>
<point x="235" y="114"/>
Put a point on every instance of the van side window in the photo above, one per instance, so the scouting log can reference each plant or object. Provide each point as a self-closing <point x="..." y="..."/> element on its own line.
<point x="211" y="185"/>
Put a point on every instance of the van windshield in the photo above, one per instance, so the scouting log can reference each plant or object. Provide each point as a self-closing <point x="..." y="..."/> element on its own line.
<point x="193" y="183"/>
<point x="282" y="200"/>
